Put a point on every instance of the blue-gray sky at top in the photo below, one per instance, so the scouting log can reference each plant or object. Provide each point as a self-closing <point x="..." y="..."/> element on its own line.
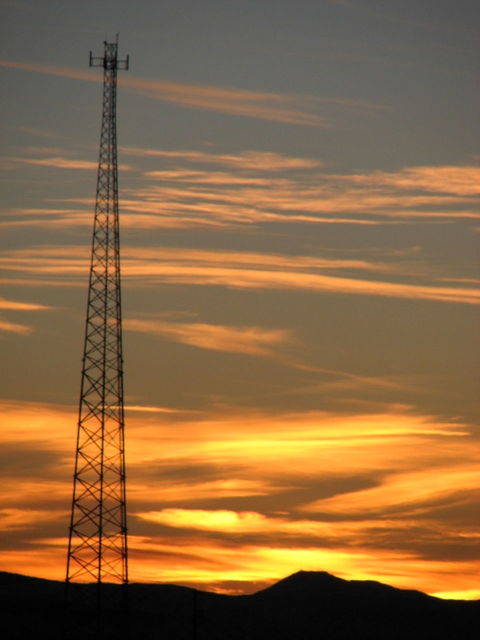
<point x="299" y="201"/>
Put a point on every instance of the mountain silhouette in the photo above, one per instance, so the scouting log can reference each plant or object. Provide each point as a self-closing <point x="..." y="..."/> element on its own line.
<point x="304" y="606"/>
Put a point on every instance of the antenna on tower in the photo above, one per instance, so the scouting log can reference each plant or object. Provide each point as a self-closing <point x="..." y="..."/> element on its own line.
<point x="97" y="544"/>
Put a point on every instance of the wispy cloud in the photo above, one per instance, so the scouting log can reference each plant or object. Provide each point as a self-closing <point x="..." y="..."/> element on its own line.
<point x="15" y="327"/>
<point x="194" y="189"/>
<point x="152" y="409"/>
<point x="253" y="271"/>
<point x="245" y="160"/>
<point x="261" y="279"/>
<point x="65" y="72"/>
<point x="303" y="194"/>
<point x="288" y="109"/>
<point x="458" y="180"/>
<point x="408" y="494"/>
<point x="58" y="162"/>
<point x="13" y="305"/>
<point x="316" y="196"/>
<point x="13" y="519"/>
<point x="206" y="177"/>
<point x="244" y="271"/>
<point x="255" y="341"/>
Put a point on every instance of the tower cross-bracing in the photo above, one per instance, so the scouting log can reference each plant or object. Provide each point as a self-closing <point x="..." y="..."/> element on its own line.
<point x="97" y="546"/>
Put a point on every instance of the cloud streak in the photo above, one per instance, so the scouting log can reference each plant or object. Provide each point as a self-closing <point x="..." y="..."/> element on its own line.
<point x="13" y="305"/>
<point x="275" y="107"/>
<point x="194" y="189"/>
<point x="415" y="195"/>
<point x="408" y="494"/>
<point x="229" y="269"/>
<point x="458" y="180"/>
<point x="15" y="327"/>
<point x="263" y="161"/>
<point x="58" y="162"/>
<point x="242" y="271"/>
<point x="254" y="341"/>
<point x="286" y="109"/>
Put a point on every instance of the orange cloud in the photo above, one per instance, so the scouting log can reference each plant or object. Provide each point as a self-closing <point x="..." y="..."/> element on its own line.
<point x="174" y="493"/>
<point x="152" y="409"/>
<point x="260" y="188"/>
<point x="288" y="444"/>
<point x="458" y="180"/>
<point x="264" y="441"/>
<point x="210" y="520"/>
<point x="288" y="109"/>
<point x="199" y="208"/>
<point x="248" y="340"/>
<point x="46" y="211"/>
<point x="58" y="162"/>
<point x="13" y="305"/>
<point x="12" y="519"/>
<point x="64" y="72"/>
<point x="29" y="422"/>
<point x="255" y="278"/>
<point x="247" y="522"/>
<point x="223" y="268"/>
<point x="407" y="493"/>
<point x="207" y="177"/>
<point x="14" y="327"/>
<point x="250" y="199"/>
<point x="245" y="160"/>
<point x="375" y="196"/>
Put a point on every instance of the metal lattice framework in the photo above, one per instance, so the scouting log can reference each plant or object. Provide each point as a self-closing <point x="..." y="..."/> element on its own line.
<point x="97" y="548"/>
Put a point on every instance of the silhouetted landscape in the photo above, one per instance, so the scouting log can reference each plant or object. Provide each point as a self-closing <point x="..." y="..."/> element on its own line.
<point x="303" y="606"/>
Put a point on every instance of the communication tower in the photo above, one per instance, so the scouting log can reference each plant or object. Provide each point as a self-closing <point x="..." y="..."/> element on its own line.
<point x="97" y="546"/>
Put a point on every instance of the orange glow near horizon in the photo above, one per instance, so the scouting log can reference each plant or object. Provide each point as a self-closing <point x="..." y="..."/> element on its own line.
<point x="208" y="567"/>
<point x="176" y="539"/>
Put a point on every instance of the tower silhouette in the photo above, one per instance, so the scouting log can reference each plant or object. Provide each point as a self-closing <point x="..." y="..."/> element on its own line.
<point x="97" y="545"/>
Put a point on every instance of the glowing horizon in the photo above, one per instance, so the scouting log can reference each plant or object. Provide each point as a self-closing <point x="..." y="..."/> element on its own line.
<point x="304" y="536"/>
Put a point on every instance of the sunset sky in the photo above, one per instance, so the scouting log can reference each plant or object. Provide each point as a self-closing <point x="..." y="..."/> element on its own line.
<point x="300" y="218"/>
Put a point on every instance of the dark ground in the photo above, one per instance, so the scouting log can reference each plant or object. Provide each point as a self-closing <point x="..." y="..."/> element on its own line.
<point x="304" y="606"/>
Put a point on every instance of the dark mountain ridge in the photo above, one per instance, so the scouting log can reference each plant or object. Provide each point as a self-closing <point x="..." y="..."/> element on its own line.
<point x="304" y="606"/>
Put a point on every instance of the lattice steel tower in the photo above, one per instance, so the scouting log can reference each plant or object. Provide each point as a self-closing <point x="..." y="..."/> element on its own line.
<point x="97" y="547"/>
